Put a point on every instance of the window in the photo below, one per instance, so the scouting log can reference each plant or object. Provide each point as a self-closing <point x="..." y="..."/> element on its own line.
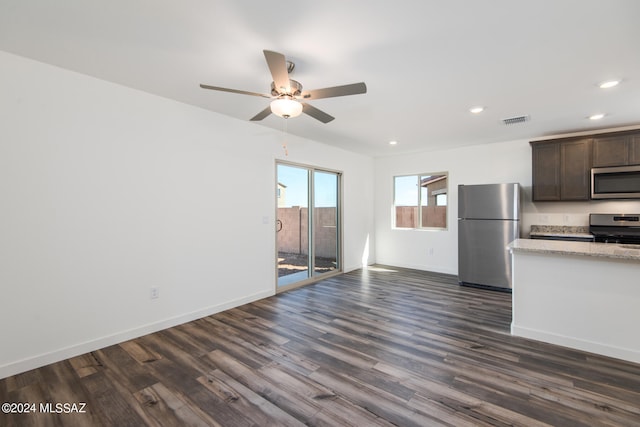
<point x="420" y="201"/>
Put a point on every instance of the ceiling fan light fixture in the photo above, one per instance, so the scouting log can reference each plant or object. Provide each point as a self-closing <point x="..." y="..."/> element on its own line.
<point x="286" y="107"/>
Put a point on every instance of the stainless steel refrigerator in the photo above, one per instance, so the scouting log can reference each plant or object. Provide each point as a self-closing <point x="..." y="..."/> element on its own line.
<point x="488" y="220"/>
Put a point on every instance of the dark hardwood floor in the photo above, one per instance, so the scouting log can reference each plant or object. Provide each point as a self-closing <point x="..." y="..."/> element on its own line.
<point x="383" y="346"/>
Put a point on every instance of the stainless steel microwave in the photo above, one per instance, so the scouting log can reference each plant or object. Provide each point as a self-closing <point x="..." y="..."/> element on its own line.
<point x="618" y="182"/>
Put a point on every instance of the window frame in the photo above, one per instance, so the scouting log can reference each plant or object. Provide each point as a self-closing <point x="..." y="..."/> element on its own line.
<point x="419" y="206"/>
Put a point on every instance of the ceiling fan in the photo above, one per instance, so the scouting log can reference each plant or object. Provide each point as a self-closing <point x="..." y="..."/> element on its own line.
<point x="287" y="94"/>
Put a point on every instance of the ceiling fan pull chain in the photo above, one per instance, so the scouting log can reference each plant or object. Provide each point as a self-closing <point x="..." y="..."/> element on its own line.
<point x="284" y="144"/>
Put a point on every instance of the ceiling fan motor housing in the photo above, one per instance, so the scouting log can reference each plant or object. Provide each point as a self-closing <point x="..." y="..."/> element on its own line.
<point x="296" y="89"/>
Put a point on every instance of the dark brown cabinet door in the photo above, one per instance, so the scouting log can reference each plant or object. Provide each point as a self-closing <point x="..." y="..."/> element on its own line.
<point x="611" y="151"/>
<point x="546" y="171"/>
<point x="634" y="150"/>
<point x="575" y="168"/>
<point x="561" y="170"/>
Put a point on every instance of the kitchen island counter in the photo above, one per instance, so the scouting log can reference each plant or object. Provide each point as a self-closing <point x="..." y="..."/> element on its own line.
<point x="580" y="295"/>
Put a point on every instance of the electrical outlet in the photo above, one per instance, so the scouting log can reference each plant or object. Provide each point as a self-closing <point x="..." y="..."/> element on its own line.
<point x="430" y="251"/>
<point x="154" y="293"/>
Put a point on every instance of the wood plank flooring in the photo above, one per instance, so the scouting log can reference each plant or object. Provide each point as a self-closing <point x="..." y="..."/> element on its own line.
<point x="376" y="347"/>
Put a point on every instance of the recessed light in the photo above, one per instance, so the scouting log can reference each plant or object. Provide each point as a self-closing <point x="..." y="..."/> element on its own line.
<point x="393" y="142"/>
<point x="596" y="116"/>
<point x="476" y="110"/>
<point x="609" y="84"/>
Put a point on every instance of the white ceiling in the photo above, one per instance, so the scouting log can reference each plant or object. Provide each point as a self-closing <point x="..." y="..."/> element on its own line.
<point x="425" y="62"/>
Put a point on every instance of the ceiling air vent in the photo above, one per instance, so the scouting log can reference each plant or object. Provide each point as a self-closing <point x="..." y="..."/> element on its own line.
<point x="515" y="120"/>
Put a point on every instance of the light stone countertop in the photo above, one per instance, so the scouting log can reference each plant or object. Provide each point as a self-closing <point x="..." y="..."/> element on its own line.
<point x="602" y="250"/>
<point x="561" y="231"/>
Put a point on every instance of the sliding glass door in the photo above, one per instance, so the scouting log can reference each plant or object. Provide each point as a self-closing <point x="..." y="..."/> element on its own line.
<point x="308" y="223"/>
<point x="292" y="225"/>
<point x="325" y="221"/>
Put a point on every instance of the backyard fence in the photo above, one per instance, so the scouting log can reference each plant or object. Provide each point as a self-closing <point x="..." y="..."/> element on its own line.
<point x="432" y="216"/>
<point x="293" y="234"/>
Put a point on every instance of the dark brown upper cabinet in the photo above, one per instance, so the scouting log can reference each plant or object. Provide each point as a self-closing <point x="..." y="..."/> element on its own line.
<point x="561" y="169"/>
<point x="616" y="150"/>
<point x="546" y="171"/>
<point x="634" y="150"/>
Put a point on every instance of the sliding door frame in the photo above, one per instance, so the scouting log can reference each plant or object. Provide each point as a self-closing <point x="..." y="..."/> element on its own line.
<point x="313" y="277"/>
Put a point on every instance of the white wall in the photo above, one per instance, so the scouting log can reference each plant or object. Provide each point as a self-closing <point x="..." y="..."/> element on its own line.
<point x="485" y="164"/>
<point x="106" y="192"/>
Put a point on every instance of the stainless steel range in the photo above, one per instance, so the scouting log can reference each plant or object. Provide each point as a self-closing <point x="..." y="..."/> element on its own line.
<point x="615" y="228"/>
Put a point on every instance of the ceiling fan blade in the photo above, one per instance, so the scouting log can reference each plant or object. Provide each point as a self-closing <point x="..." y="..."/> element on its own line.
<point x="315" y="113"/>
<point x="262" y="114"/>
<point x="278" y="67"/>
<point x="329" y="92"/>
<point x="241" y="92"/>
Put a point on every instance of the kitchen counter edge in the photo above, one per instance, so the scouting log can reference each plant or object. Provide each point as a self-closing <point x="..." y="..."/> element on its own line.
<point x="601" y="250"/>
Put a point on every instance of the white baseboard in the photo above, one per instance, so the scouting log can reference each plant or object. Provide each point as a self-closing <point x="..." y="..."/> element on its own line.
<point x="431" y="268"/>
<point x="85" y="347"/>
<point x="627" y="354"/>
<point x="353" y="268"/>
